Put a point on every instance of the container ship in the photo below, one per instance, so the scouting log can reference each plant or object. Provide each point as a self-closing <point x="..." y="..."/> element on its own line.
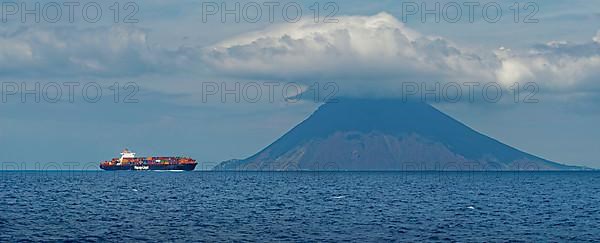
<point x="128" y="161"/>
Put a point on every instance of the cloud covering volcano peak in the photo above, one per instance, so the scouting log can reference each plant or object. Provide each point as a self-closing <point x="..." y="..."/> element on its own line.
<point x="358" y="48"/>
<point x="376" y="54"/>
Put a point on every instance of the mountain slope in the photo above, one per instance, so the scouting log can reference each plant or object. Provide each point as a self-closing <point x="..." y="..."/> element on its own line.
<point x="372" y="134"/>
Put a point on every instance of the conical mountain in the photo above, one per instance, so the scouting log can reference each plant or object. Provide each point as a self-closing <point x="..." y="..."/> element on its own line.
<point x="387" y="134"/>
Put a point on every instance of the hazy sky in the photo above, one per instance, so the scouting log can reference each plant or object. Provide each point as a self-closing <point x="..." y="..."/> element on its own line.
<point x="171" y="61"/>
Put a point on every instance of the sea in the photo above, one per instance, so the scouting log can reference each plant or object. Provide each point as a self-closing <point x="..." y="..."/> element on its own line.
<point x="92" y="206"/>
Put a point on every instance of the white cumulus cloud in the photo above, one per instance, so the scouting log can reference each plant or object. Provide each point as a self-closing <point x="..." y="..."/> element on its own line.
<point x="555" y="66"/>
<point x="375" y="54"/>
<point x="357" y="50"/>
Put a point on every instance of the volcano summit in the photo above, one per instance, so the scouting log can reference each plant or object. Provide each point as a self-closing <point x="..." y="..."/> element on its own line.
<point x="387" y="135"/>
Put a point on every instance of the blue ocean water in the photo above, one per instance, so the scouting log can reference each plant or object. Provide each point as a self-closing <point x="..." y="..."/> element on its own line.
<point x="299" y="206"/>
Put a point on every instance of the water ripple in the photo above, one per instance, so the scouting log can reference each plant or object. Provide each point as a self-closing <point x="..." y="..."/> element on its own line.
<point x="200" y="206"/>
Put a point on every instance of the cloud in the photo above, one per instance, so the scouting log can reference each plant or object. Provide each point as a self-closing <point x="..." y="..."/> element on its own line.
<point x="356" y="50"/>
<point x="374" y="54"/>
<point x="558" y="66"/>
<point x="364" y="55"/>
<point x="117" y="51"/>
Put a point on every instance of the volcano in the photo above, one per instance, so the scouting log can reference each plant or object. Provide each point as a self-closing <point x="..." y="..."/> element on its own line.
<point x="386" y="135"/>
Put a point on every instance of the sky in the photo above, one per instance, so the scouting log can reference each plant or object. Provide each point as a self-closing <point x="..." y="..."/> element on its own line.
<point x="169" y="73"/>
